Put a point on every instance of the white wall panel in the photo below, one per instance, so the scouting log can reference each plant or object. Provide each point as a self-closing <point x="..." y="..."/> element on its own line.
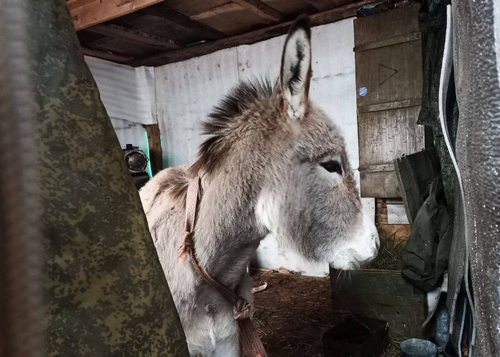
<point x="186" y="92"/>
<point x="127" y="93"/>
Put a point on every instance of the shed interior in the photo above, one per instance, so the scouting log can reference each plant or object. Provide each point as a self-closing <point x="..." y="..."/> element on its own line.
<point x="153" y="34"/>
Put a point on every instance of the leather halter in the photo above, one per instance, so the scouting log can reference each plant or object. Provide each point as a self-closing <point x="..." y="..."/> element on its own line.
<point x="249" y="342"/>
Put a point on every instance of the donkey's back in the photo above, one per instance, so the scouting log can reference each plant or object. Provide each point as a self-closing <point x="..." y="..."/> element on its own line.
<point x="163" y="200"/>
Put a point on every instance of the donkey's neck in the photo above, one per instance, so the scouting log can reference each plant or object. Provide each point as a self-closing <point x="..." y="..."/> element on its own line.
<point x="227" y="233"/>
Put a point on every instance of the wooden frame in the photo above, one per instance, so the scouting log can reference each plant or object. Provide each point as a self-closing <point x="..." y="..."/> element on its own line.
<point x="176" y="30"/>
<point x="86" y="13"/>
<point x="322" y="18"/>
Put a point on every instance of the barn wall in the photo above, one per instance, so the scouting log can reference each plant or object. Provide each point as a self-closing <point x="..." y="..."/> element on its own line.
<point x="187" y="91"/>
<point x="128" y="94"/>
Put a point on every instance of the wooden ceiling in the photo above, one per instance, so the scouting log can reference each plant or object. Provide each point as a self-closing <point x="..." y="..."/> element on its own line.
<point x="157" y="32"/>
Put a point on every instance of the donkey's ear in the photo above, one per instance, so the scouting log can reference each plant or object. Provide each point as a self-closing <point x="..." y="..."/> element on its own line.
<point x="296" y="68"/>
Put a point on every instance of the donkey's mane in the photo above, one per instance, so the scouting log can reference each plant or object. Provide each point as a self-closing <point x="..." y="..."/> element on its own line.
<point x="221" y="121"/>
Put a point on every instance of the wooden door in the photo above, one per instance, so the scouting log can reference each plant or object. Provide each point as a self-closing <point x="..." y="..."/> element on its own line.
<point x="389" y="85"/>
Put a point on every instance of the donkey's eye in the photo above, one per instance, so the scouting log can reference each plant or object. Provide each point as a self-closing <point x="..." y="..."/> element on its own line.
<point x="332" y="166"/>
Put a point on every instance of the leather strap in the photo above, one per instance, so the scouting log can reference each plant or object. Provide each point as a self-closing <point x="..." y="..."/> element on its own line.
<point x="249" y="342"/>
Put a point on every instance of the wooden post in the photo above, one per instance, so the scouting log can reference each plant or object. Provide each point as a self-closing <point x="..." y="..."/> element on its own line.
<point x="155" y="150"/>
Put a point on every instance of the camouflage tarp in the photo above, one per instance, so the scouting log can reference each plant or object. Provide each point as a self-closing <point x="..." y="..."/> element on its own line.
<point x="105" y="292"/>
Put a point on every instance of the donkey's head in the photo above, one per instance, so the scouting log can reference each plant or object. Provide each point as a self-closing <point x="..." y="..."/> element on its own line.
<point x="289" y="162"/>
<point x="309" y="195"/>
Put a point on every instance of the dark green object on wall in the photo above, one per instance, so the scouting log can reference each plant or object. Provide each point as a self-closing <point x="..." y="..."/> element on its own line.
<point x="105" y="291"/>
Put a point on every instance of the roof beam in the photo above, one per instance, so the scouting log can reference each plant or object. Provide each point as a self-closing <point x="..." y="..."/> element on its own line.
<point x="106" y="55"/>
<point x="336" y="14"/>
<point x="322" y="5"/>
<point x="163" y="12"/>
<point x="86" y="13"/>
<point x="143" y="38"/>
<point x="261" y="9"/>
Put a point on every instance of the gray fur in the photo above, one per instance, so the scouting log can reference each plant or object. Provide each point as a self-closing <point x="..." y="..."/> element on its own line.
<point x="260" y="173"/>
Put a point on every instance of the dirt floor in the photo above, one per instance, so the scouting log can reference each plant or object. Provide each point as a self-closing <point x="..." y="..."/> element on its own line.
<point x="293" y="312"/>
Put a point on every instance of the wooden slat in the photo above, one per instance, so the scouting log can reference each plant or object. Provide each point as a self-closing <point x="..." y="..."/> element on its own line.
<point x="389" y="25"/>
<point x="390" y="106"/>
<point x="110" y="56"/>
<point x="379" y="184"/>
<point x="155" y="150"/>
<point x="261" y="9"/>
<point x="378" y="168"/>
<point x="322" y="5"/>
<point x="75" y="4"/>
<point x="231" y="19"/>
<point x="385" y="229"/>
<point x="165" y="13"/>
<point x="193" y="7"/>
<point x="86" y="13"/>
<point x="388" y="282"/>
<point x="414" y="36"/>
<point x="135" y="36"/>
<point x="250" y="37"/>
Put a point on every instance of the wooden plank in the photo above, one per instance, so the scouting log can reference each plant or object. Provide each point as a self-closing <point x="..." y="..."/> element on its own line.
<point x="110" y="56"/>
<point x="155" y="150"/>
<point x="386" y="25"/>
<point x="193" y="7"/>
<point x="143" y="38"/>
<point x="292" y="8"/>
<point x="322" y="5"/>
<point x="388" y="282"/>
<point x="87" y="13"/>
<point x="250" y="37"/>
<point x="388" y="135"/>
<point x="398" y="231"/>
<point x="379" y="184"/>
<point x="390" y="74"/>
<point x="414" y="36"/>
<point x="75" y="4"/>
<point x="378" y="168"/>
<point x="163" y="12"/>
<point x="261" y="9"/>
<point x="231" y="19"/>
<point x="391" y="105"/>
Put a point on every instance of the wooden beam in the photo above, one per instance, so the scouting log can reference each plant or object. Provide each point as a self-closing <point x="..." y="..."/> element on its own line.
<point x="163" y="12"/>
<point x="322" y="18"/>
<point x="261" y="9"/>
<point x="110" y="56"/>
<point x="322" y="5"/>
<point x="155" y="150"/>
<point x="143" y="38"/>
<point x="86" y="13"/>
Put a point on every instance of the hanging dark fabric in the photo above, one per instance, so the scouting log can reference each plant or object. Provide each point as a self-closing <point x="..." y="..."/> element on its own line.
<point x="426" y="255"/>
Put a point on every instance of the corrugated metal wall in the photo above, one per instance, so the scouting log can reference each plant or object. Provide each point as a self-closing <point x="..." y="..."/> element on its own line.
<point x="187" y="91"/>
<point x="127" y="92"/>
<point x="129" y="96"/>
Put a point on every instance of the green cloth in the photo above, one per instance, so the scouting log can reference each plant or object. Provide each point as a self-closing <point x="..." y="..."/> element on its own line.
<point x="105" y="291"/>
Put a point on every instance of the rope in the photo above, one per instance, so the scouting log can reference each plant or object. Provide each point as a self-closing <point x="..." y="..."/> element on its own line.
<point x="249" y="342"/>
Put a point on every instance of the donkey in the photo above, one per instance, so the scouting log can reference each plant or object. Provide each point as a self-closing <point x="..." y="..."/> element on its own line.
<point x="274" y="163"/>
